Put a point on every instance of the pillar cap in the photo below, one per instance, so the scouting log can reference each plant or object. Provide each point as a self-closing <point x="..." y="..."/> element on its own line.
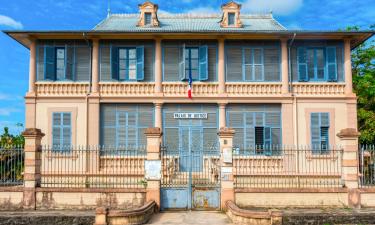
<point x="226" y="131"/>
<point x="153" y="131"/>
<point x="32" y="132"/>
<point x="348" y="133"/>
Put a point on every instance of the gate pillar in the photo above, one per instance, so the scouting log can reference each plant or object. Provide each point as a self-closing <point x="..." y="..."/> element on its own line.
<point x="350" y="161"/>
<point x="153" y="172"/>
<point x="226" y="149"/>
<point x="33" y="138"/>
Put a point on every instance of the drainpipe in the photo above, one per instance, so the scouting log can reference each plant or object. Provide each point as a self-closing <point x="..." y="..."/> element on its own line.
<point x="292" y="92"/>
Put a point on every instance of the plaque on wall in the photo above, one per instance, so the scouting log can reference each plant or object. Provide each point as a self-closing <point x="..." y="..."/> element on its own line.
<point x="153" y="169"/>
<point x="190" y="116"/>
<point x="226" y="173"/>
<point x="227" y="155"/>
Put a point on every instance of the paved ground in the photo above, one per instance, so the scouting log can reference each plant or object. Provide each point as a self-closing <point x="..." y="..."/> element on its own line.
<point x="190" y="218"/>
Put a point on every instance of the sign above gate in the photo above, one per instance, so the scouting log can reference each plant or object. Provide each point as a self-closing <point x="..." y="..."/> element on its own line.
<point x="190" y="116"/>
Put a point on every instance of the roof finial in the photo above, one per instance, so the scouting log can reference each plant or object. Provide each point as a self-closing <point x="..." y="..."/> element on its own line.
<point x="109" y="8"/>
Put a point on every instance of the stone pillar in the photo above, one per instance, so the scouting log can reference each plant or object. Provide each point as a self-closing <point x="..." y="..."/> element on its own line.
<point x="222" y="115"/>
<point x="101" y="216"/>
<point x="32" y="67"/>
<point x="158" y="115"/>
<point x="158" y="67"/>
<point x="284" y="66"/>
<point x="33" y="138"/>
<point x="153" y="136"/>
<point x="287" y="123"/>
<point x="348" y="68"/>
<point x="95" y="66"/>
<point x="221" y="67"/>
<point x="226" y="150"/>
<point x="349" y="142"/>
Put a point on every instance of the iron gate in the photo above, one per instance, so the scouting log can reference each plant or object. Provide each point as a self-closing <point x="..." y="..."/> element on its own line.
<point x="190" y="172"/>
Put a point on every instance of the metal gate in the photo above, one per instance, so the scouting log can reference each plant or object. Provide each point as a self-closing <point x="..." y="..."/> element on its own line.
<point x="191" y="172"/>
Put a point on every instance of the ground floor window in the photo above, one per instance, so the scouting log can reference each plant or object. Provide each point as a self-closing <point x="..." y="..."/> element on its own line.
<point x="257" y="128"/>
<point x="61" y="130"/>
<point x="319" y="132"/>
<point x="123" y="125"/>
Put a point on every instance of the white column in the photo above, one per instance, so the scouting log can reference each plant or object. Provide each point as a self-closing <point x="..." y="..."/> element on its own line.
<point x="348" y="68"/>
<point x="221" y="67"/>
<point x="284" y="66"/>
<point x="32" y="67"/>
<point x="95" y="66"/>
<point x="222" y="116"/>
<point x="158" y="115"/>
<point x="158" y="66"/>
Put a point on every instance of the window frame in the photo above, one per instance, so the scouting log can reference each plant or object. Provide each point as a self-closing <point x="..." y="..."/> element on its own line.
<point x="188" y="62"/>
<point x="65" y="62"/>
<point x="231" y="19"/>
<point x="148" y="18"/>
<point x="127" y="60"/>
<point x="61" y="127"/>
<point x="252" y="64"/>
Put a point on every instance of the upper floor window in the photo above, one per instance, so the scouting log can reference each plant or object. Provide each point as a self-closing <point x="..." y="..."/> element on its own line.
<point x="231" y="19"/>
<point x="61" y="130"/>
<point x="127" y="63"/>
<point x="317" y="64"/>
<point x="58" y="63"/>
<point x="253" y="66"/>
<point x="148" y="18"/>
<point x="320" y="132"/>
<point x="194" y="63"/>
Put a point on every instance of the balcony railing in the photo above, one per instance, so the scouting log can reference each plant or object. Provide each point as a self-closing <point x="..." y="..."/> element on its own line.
<point x="179" y="89"/>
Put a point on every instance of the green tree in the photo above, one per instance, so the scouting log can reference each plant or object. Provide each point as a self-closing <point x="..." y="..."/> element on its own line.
<point x="363" y="64"/>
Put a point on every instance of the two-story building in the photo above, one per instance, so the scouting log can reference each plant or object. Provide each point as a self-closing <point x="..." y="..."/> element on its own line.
<point x="275" y="87"/>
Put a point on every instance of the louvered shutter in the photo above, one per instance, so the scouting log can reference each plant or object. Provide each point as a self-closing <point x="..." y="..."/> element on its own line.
<point x="315" y="131"/>
<point x="203" y="62"/>
<point x="121" y="126"/>
<point x="49" y="63"/>
<point x="66" y="130"/>
<point x="140" y="63"/>
<point x="302" y="64"/>
<point x="114" y="63"/>
<point x="69" y="67"/>
<point x="331" y="64"/>
<point x="181" y="65"/>
<point x="82" y="64"/>
<point x="56" y="130"/>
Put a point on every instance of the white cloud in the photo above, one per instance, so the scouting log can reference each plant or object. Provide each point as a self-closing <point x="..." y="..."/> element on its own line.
<point x="279" y="7"/>
<point x="6" y="97"/>
<point x="7" y="111"/>
<point x="9" y="22"/>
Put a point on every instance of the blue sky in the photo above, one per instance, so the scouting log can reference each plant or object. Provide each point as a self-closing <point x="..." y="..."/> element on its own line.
<point x="85" y="14"/>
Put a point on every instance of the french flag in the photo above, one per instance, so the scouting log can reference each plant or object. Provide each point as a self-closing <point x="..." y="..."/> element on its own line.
<point x="190" y="86"/>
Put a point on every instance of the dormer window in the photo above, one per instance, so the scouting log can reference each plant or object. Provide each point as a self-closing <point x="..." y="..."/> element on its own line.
<point x="231" y="19"/>
<point x="148" y="18"/>
<point x="148" y="15"/>
<point x="231" y="15"/>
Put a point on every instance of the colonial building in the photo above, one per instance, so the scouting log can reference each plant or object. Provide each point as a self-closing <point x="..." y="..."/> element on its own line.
<point x="191" y="75"/>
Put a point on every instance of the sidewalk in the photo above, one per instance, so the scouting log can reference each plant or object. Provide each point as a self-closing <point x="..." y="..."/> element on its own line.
<point x="190" y="218"/>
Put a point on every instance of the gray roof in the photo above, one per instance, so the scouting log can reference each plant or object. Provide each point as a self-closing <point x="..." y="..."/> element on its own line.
<point x="188" y="23"/>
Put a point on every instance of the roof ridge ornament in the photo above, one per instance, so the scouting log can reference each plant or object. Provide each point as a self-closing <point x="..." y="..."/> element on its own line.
<point x="148" y="15"/>
<point x="231" y="15"/>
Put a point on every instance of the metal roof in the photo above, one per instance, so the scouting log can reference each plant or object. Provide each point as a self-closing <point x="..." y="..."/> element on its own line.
<point x="188" y="23"/>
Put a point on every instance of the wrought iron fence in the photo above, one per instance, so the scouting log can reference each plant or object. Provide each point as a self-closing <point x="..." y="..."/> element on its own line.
<point x="287" y="167"/>
<point x="367" y="165"/>
<point x="11" y="165"/>
<point x="93" y="167"/>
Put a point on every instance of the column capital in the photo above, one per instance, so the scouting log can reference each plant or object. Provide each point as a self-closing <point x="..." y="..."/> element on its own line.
<point x="158" y="104"/>
<point x="348" y="133"/>
<point x="284" y="39"/>
<point x="153" y="132"/>
<point x="226" y="132"/>
<point x="32" y="132"/>
<point x="222" y="104"/>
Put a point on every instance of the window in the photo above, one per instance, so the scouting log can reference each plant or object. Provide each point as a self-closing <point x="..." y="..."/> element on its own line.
<point x="60" y="63"/>
<point x="123" y="126"/>
<point x="317" y="64"/>
<point x="258" y="129"/>
<point x="192" y="62"/>
<point x="231" y="19"/>
<point x="127" y="63"/>
<point x="148" y="18"/>
<point x="61" y="130"/>
<point x="320" y="132"/>
<point x="253" y="68"/>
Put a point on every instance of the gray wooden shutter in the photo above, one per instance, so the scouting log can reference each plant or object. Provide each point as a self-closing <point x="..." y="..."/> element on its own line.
<point x="114" y="63"/>
<point x="82" y="64"/>
<point x="315" y="130"/>
<point x="181" y="65"/>
<point x="67" y="130"/>
<point x="50" y="63"/>
<point x="56" y="129"/>
<point x="302" y="64"/>
<point x="203" y="62"/>
<point x="140" y="62"/>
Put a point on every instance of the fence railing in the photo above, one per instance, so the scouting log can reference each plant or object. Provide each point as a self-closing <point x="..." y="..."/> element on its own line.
<point x="287" y="167"/>
<point x="367" y="166"/>
<point x="11" y="165"/>
<point x="93" y="167"/>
